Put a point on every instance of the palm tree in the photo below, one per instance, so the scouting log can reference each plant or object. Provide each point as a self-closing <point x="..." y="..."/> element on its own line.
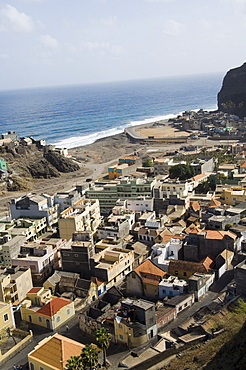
<point x="103" y="338"/>
<point x="89" y="356"/>
<point x="74" y="363"/>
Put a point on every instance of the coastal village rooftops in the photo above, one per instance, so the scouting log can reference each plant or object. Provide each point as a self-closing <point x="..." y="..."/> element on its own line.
<point x="148" y="269"/>
<point x="217" y="234"/>
<point x="55" y="351"/>
<point x="178" y="299"/>
<point x="52" y="307"/>
<point x="202" y="266"/>
<point x="34" y="290"/>
<point x="141" y="303"/>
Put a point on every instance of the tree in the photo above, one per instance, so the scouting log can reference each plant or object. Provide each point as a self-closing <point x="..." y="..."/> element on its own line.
<point x="181" y="171"/>
<point x="148" y="162"/>
<point x="89" y="356"/>
<point x="103" y="338"/>
<point x="74" y="363"/>
<point x="10" y="335"/>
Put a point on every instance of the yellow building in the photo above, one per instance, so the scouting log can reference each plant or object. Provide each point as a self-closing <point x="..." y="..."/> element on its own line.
<point x="233" y="195"/>
<point x="117" y="171"/>
<point x="6" y="318"/>
<point x="52" y="353"/>
<point x="42" y="309"/>
<point x="15" y="282"/>
<point x="84" y="215"/>
<point x="184" y="269"/>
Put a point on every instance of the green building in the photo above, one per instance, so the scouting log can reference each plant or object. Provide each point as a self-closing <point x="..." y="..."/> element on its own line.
<point x="3" y="164"/>
<point x="110" y="192"/>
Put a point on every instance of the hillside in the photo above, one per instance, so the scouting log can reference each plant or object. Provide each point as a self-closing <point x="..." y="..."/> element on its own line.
<point x="225" y="351"/>
<point x="26" y="164"/>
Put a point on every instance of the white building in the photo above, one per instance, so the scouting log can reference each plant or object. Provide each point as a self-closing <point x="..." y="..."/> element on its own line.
<point x="171" y="287"/>
<point x="35" y="206"/>
<point x="163" y="252"/>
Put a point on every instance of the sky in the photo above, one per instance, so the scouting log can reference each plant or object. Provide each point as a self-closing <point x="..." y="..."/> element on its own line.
<point x="66" y="42"/>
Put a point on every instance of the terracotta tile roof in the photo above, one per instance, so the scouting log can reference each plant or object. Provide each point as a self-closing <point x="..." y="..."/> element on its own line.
<point x="199" y="177"/>
<point x="243" y="165"/>
<point x="34" y="290"/>
<point x="151" y="281"/>
<point x="214" y="203"/>
<point x="195" y="205"/>
<point x="192" y="229"/>
<point x="166" y="238"/>
<point x="55" y="351"/>
<point x="207" y="262"/>
<point x="218" y="234"/>
<point x="190" y="266"/>
<point x="52" y="307"/>
<point x="193" y="218"/>
<point x="148" y="268"/>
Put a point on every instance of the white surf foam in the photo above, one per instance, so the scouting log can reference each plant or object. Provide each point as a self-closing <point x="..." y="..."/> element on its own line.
<point x="76" y="141"/>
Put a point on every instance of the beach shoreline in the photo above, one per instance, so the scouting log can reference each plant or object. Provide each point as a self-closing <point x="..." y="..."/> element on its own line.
<point x="93" y="160"/>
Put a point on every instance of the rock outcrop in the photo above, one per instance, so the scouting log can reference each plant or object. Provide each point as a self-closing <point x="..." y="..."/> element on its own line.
<point x="30" y="162"/>
<point x="232" y="96"/>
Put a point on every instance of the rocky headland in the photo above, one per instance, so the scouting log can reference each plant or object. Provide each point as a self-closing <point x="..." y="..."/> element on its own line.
<point x="232" y="96"/>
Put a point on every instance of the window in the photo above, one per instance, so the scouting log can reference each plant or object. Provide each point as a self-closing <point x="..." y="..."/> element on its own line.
<point x="120" y="326"/>
<point x="185" y="273"/>
<point x="39" y="319"/>
<point x="5" y="317"/>
<point x="58" y="319"/>
<point x="176" y="273"/>
<point x="41" y="368"/>
<point x="31" y="366"/>
<point x="164" y="291"/>
<point x="121" y="337"/>
<point x="68" y="311"/>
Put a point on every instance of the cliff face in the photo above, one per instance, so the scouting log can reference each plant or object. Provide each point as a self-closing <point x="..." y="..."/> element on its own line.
<point x="232" y="96"/>
<point x="31" y="162"/>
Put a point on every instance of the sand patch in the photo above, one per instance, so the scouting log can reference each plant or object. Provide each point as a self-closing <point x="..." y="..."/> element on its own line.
<point x="161" y="130"/>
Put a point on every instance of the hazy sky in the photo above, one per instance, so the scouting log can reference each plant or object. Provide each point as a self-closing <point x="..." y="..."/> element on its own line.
<point x="60" y="42"/>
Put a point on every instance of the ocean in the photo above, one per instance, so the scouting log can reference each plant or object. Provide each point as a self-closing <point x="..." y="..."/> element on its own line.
<point x="71" y="116"/>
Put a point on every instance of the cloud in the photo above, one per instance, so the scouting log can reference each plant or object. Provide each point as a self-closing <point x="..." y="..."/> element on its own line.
<point x="205" y="24"/>
<point x="238" y="5"/>
<point x="172" y="27"/>
<point x="105" y="48"/>
<point x="49" y="42"/>
<point x="4" y="56"/>
<point x="109" y="22"/>
<point x="13" y="20"/>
